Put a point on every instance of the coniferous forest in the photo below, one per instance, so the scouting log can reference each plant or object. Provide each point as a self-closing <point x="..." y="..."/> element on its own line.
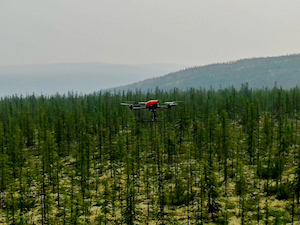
<point x="229" y="156"/>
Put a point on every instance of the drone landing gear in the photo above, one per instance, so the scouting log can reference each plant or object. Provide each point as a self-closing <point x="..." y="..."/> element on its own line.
<point x="154" y="115"/>
<point x="154" y="118"/>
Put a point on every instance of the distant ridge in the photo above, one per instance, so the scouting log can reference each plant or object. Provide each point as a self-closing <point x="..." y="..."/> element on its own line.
<point x="83" y="78"/>
<point x="257" y="72"/>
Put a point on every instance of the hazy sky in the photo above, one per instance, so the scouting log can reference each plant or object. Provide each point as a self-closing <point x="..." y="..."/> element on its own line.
<point x="189" y="32"/>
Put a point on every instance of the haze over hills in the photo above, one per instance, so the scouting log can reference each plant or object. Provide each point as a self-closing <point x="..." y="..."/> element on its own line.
<point x="81" y="77"/>
<point x="257" y="72"/>
<point x="89" y="77"/>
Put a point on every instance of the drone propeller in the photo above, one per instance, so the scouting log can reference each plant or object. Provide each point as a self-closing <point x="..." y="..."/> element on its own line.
<point x="172" y="103"/>
<point x="133" y="103"/>
<point x="134" y="106"/>
<point x="126" y="104"/>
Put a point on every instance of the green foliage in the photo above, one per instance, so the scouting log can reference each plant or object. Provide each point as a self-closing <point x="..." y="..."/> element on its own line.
<point x="281" y="217"/>
<point x="272" y="172"/>
<point x="179" y="195"/>
<point x="74" y="159"/>
<point x="282" y="191"/>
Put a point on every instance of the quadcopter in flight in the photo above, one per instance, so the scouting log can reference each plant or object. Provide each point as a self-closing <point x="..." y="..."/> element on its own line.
<point x="152" y="105"/>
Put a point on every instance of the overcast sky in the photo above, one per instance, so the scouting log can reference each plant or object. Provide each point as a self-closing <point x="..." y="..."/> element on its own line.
<point x="189" y="32"/>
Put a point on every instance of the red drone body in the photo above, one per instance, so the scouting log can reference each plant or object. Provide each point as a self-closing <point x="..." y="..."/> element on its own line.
<point x="152" y="105"/>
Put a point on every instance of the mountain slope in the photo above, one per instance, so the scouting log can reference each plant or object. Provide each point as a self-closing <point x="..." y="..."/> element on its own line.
<point x="257" y="72"/>
<point x="81" y="77"/>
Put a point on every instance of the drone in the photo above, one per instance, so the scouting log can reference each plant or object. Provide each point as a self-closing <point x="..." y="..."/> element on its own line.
<point x="152" y="105"/>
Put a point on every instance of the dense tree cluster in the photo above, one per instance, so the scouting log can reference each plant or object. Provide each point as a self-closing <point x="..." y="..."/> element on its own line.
<point x="221" y="157"/>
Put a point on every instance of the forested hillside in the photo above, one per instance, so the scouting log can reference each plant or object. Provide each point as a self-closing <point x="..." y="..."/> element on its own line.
<point x="220" y="157"/>
<point x="257" y="72"/>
